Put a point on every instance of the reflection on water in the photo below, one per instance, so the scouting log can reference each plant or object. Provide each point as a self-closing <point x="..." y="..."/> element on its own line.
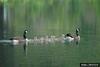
<point x="50" y="54"/>
<point x="25" y="48"/>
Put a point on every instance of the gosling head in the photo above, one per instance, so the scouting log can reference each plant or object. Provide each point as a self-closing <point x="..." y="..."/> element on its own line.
<point x="68" y="35"/>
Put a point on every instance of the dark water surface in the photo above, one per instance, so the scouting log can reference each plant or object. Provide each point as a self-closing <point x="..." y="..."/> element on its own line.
<point x="51" y="55"/>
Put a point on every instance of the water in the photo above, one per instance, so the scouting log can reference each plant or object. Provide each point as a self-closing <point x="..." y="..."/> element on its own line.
<point x="41" y="19"/>
<point x="50" y="55"/>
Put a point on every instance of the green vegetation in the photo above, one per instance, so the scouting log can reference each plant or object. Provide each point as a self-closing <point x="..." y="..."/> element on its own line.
<point x="51" y="16"/>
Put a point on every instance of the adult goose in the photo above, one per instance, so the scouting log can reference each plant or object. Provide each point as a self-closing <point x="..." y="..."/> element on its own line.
<point x="17" y="40"/>
<point x="70" y="38"/>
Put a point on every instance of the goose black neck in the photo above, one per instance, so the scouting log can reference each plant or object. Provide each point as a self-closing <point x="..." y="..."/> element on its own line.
<point x="77" y="32"/>
<point x="24" y="34"/>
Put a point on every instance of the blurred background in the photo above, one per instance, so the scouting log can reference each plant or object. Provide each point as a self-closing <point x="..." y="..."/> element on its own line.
<point x="50" y="17"/>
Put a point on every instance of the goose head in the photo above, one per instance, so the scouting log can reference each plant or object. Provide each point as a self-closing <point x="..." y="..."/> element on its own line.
<point x="25" y="31"/>
<point x="77" y="31"/>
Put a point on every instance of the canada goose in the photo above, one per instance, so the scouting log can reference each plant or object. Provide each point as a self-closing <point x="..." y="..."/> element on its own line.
<point x="77" y="37"/>
<point x="69" y="38"/>
<point x="17" y="40"/>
